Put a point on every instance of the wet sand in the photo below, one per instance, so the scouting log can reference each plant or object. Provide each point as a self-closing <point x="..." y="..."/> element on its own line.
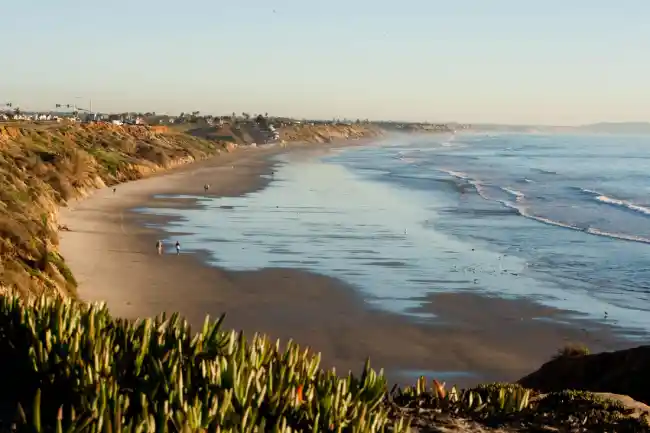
<point x="111" y="251"/>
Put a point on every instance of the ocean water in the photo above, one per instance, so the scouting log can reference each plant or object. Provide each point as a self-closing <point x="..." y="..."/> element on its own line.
<point x="561" y="219"/>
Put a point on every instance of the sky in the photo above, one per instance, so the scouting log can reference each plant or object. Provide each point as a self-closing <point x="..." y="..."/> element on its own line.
<point x="477" y="61"/>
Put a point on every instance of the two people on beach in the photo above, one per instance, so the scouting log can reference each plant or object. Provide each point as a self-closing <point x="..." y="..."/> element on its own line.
<point x="159" y="247"/>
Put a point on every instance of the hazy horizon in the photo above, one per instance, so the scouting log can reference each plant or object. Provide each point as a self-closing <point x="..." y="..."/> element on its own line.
<point x="506" y="62"/>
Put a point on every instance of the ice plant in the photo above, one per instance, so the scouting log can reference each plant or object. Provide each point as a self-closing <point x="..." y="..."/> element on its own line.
<point x="156" y="374"/>
<point x="71" y="367"/>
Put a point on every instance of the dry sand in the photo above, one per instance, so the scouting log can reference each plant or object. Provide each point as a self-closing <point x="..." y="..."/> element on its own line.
<point x="112" y="254"/>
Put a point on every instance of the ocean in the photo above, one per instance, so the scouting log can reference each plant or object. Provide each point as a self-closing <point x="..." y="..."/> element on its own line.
<point x="563" y="220"/>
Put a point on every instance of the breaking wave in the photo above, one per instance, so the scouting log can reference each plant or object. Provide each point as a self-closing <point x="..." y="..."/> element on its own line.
<point x="521" y="209"/>
<point x="602" y="198"/>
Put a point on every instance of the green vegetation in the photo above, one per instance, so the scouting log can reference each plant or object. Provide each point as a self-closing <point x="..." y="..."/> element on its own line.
<point x="62" y="357"/>
<point x="44" y="166"/>
<point x="68" y="366"/>
<point x="572" y="351"/>
<point x="56" y="259"/>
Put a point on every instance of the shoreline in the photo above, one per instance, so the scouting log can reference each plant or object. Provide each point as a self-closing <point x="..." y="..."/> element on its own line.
<point x="110" y="250"/>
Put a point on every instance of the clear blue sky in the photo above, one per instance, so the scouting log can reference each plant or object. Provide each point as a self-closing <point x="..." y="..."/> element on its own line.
<point x="508" y="61"/>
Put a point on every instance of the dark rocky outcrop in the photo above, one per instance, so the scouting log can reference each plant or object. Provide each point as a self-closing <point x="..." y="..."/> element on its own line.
<point x="624" y="372"/>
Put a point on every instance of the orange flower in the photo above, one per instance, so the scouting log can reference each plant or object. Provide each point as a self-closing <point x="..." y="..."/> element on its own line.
<point x="440" y="388"/>
<point x="299" y="394"/>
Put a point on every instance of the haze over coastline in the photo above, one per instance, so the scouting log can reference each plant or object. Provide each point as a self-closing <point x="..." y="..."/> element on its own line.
<point x="508" y="61"/>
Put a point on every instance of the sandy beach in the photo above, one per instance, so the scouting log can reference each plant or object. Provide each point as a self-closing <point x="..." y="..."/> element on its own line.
<point x="111" y="251"/>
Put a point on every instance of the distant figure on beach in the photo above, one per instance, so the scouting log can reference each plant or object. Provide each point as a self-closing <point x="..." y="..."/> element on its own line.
<point x="206" y="187"/>
<point x="114" y="189"/>
<point x="159" y="247"/>
<point x="178" y="248"/>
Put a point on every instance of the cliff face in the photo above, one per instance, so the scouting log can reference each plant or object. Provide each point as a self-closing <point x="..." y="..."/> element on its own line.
<point x="42" y="167"/>
<point x="248" y="133"/>
<point x="327" y="133"/>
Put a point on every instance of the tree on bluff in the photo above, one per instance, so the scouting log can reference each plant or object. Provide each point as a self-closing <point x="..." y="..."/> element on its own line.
<point x="261" y="120"/>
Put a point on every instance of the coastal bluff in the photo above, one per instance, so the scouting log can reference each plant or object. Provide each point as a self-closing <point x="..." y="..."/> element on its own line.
<point x="328" y="133"/>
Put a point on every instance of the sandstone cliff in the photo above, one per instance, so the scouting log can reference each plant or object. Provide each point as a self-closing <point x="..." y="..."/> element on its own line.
<point x="44" y="166"/>
<point x="327" y="133"/>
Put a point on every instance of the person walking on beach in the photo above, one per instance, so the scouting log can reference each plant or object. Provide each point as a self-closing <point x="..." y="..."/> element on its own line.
<point x="178" y="248"/>
<point x="159" y="247"/>
<point x="206" y="187"/>
<point x="114" y="189"/>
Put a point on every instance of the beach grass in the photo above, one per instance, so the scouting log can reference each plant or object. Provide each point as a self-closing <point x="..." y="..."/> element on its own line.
<point x="571" y="351"/>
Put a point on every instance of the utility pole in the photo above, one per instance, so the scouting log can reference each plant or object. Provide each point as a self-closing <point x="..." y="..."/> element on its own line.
<point x="90" y="106"/>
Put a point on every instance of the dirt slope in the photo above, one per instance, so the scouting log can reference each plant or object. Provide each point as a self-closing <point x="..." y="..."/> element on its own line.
<point x="42" y="167"/>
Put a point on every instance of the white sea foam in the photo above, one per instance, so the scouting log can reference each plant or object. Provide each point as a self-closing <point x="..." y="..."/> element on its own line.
<point x="525" y="212"/>
<point x="590" y="230"/>
<point x="623" y="203"/>
<point x="603" y="198"/>
<point x="519" y="196"/>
